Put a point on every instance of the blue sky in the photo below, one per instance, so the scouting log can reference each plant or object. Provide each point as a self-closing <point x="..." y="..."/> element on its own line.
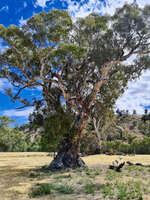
<point x="18" y="11"/>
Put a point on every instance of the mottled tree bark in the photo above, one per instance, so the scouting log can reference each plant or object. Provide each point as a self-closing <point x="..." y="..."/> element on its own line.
<point x="68" y="155"/>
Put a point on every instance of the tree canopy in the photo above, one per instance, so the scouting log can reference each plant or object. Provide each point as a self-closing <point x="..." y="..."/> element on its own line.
<point x="86" y="60"/>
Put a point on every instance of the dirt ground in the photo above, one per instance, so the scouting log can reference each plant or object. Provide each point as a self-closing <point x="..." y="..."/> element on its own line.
<point x="18" y="175"/>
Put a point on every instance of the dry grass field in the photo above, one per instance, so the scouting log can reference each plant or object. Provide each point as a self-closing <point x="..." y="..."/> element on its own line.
<point x="20" y="179"/>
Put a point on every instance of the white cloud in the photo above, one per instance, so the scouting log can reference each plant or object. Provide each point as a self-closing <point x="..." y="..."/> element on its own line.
<point x="41" y="3"/>
<point x="18" y="113"/>
<point x="82" y="9"/>
<point x="4" y="8"/>
<point x="137" y="95"/>
<point x="4" y="84"/>
<point x="25" y="4"/>
<point x="111" y="5"/>
<point x="22" y="21"/>
<point x="142" y="3"/>
<point x="2" y="46"/>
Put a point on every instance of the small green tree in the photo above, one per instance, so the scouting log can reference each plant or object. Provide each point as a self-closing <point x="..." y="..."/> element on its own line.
<point x="11" y="139"/>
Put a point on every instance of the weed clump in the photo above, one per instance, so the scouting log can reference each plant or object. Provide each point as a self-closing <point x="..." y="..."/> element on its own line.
<point x="65" y="189"/>
<point x="41" y="190"/>
<point x="90" y="188"/>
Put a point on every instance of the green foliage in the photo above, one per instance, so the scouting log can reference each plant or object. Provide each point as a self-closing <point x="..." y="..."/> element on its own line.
<point x="123" y="191"/>
<point x="144" y="128"/>
<point x="81" y="61"/>
<point x="33" y="144"/>
<point x="46" y="188"/>
<point x="12" y="140"/>
<point x="65" y="189"/>
<point x="129" y="190"/>
<point x="141" y="146"/>
<point x="138" y="146"/>
<point x="89" y="143"/>
<point x="90" y="188"/>
<point x="112" y="175"/>
<point x="42" y="189"/>
<point x="15" y="139"/>
<point x="5" y="122"/>
<point x="107" y="189"/>
<point x="56" y="129"/>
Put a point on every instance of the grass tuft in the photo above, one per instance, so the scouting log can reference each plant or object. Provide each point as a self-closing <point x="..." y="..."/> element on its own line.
<point x="41" y="190"/>
<point x="107" y="189"/>
<point x="90" y="188"/>
<point x="65" y="189"/>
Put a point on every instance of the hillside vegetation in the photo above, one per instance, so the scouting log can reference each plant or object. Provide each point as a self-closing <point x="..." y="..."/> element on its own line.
<point x="123" y="133"/>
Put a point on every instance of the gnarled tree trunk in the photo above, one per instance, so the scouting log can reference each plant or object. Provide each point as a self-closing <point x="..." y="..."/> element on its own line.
<point x="68" y="155"/>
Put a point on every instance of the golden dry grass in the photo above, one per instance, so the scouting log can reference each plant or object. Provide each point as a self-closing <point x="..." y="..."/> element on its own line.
<point x="98" y="160"/>
<point x="18" y="175"/>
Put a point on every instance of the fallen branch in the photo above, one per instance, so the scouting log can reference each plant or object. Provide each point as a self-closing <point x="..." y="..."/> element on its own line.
<point x="137" y="164"/>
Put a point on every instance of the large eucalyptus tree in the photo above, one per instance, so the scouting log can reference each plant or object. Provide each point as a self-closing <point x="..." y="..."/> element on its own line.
<point x="82" y="59"/>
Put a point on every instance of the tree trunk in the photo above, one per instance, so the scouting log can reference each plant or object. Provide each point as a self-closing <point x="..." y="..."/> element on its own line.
<point x="68" y="155"/>
<point x="67" y="159"/>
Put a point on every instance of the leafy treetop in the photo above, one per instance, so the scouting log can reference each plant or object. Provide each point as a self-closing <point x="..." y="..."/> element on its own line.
<point x="84" y="61"/>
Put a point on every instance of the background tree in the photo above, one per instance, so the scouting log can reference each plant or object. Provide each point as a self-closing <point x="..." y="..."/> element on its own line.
<point x="78" y="58"/>
<point x="5" y="122"/>
<point x="11" y="139"/>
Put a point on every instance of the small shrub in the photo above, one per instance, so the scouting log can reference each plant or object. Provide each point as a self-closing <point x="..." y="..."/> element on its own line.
<point x="90" y="173"/>
<point x="90" y="188"/>
<point x="107" y="189"/>
<point x="81" y="181"/>
<point x="43" y="189"/>
<point x="79" y="170"/>
<point x="65" y="189"/>
<point x="112" y="175"/>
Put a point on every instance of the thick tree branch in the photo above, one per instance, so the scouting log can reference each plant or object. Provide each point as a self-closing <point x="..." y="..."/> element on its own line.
<point x="98" y="85"/>
<point x="28" y="85"/>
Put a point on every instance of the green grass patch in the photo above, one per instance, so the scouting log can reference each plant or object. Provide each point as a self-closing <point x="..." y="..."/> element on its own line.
<point x="42" y="189"/>
<point x="44" y="167"/>
<point x="81" y="181"/>
<point x="112" y="175"/>
<point x="90" y="188"/>
<point x="107" y="189"/>
<point x="65" y="189"/>
<point x="129" y="190"/>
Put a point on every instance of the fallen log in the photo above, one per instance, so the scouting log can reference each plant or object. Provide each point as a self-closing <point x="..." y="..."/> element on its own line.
<point x="137" y="164"/>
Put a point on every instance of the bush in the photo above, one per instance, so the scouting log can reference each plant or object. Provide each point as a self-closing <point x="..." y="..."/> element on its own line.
<point x="43" y="189"/>
<point x="33" y="143"/>
<point x="89" y="144"/>
<point x="144" y="128"/>
<point x="12" y="140"/>
<point x="138" y="146"/>
<point x="111" y="147"/>
<point x="141" y="146"/>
